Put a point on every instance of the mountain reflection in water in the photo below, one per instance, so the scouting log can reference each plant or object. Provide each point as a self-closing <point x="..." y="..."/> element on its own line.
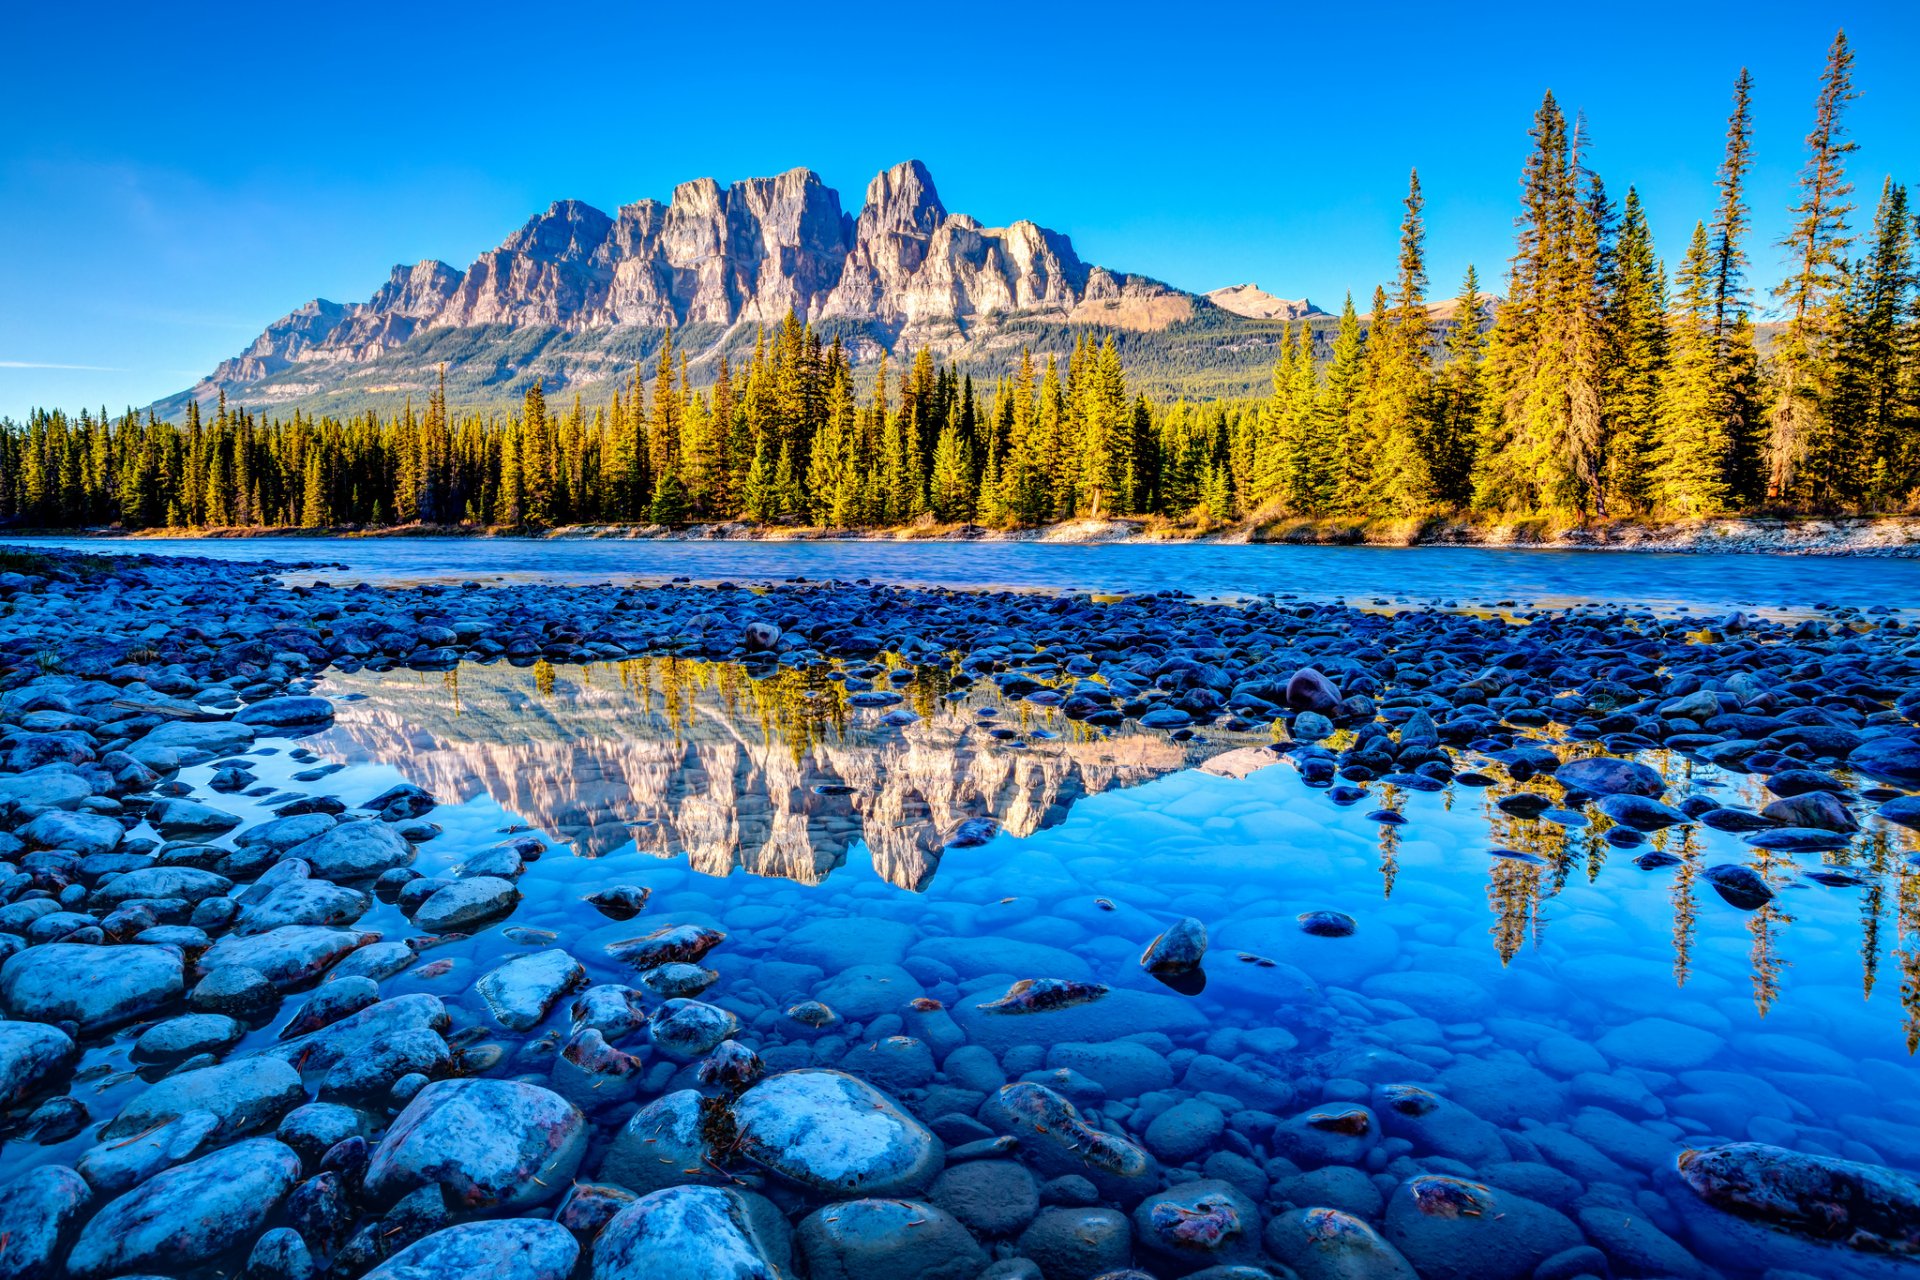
<point x="781" y="775"/>
<point x="774" y="775"/>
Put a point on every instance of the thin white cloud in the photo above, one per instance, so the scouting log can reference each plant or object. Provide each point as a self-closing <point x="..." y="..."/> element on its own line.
<point x="40" y="364"/>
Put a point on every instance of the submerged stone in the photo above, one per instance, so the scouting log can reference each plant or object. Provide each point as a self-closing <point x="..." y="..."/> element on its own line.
<point x="834" y="1133"/>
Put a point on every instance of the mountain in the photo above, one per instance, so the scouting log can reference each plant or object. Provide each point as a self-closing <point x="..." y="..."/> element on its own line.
<point x="1255" y="303"/>
<point x="577" y="296"/>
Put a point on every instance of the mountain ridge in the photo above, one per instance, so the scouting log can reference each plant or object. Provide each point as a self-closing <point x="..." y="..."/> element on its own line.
<point x="711" y="260"/>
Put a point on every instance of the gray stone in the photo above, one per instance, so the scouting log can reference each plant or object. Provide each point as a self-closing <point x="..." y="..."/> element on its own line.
<point x="693" y="1233"/>
<point x="40" y="1211"/>
<point x="661" y="1145"/>
<point x="1326" y="1244"/>
<point x="834" y="1133"/>
<point x="96" y="987"/>
<point x="30" y="1055"/>
<point x="489" y="1144"/>
<point x="1077" y="1244"/>
<point x="990" y="1197"/>
<point x="188" y="1215"/>
<point x="86" y="834"/>
<point x="520" y="992"/>
<point x="250" y="1094"/>
<point x="465" y="903"/>
<point x="354" y="851"/>
<point x="886" y="1240"/>
<point x="510" y="1249"/>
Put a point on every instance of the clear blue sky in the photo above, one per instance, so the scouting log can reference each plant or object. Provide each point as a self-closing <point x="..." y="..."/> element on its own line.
<point x="173" y="177"/>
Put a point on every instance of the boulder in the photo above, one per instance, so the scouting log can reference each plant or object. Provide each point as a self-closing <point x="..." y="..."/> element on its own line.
<point x="489" y="1144"/>
<point x="95" y="987"/>
<point x="188" y="1215"/>
<point x="693" y="1233"/>
<point x="836" y="1134"/>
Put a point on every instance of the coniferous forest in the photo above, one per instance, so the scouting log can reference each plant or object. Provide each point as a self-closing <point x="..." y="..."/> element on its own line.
<point x="1617" y="378"/>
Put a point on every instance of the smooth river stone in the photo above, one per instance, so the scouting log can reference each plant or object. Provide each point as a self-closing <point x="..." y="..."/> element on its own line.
<point x="245" y="1095"/>
<point x="521" y="992"/>
<point x="30" y="1053"/>
<point x="289" y="956"/>
<point x="95" y="987"/>
<point x="188" y="1215"/>
<point x="693" y="1233"/>
<point x="354" y="851"/>
<point x="490" y="1144"/>
<point x="512" y="1249"/>
<point x="831" y="1132"/>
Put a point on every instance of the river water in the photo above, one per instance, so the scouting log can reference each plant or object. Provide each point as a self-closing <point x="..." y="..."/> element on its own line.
<point x="1585" y="1020"/>
<point x="1663" y="581"/>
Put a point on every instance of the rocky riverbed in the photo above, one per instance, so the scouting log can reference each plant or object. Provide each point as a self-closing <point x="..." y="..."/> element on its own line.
<point x="256" y="1022"/>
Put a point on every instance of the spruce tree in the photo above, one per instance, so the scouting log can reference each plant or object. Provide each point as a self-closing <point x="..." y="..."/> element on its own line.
<point x="1816" y="247"/>
<point x="1636" y="321"/>
<point x="1688" y="462"/>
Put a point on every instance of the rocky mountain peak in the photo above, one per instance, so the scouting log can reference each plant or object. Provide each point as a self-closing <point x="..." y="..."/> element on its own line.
<point x="1255" y="303"/>
<point x="748" y="253"/>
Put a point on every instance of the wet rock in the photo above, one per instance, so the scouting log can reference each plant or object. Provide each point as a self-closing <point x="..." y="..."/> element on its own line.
<point x="31" y="1056"/>
<point x="1185" y="1130"/>
<point x="1453" y="1229"/>
<point x="1327" y="924"/>
<point x="1197" y="1224"/>
<point x="885" y="1239"/>
<point x="189" y="883"/>
<point x="663" y="1144"/>
<point x="466" y="903"/>
<point x="302" y="902"/>
<point x="1123" y="1068"/>
<point x="332" y="1002"/>
<point x="317" y="1127"/>
<point x="354" y="851"/>
<point x="1639" y="812"/>
<point x="1179" y="950"/>
<point x="1308" y="690"/>
<point x="1866" y="1207"/>
<point x="833" y="1133"/>
<point x="280" y="1254"/>
<point x="611" y="1009"/>
<point x="589" y="1206"/>
<point x="1890" y="759"/>
<point x="95" y="987"/>
<point x="120" y="1164"/>
<point x="1740" y="885"/>
<point x="290" y="956"/>
<point x="991" y="1198"/>
<point x="321" y="1049"/>
<point x="489" y="1144"/>
<point x="732" y="1067"/>
<point x="1326" y="1244"/>
<point x="188" y="1215"/>
<point x="678" y="981"/>
<point x="186" y="1035"/>
<point x="687" y="1029"/>
<point x="187" y="819"/>
<point x="1818" y="809"/>
<point x="1434" y="1124"/>
<point x="1077" y="1244"/>
<point x="1328" y="1135"/>
<point x="522" y="991"/>
<point x="292" y="712"/>
<point x="245" y="1095"/>
<point x="678" y="944"/>
<point x="40" y="1212"/>
<point x="1044" y="995"/>
<point x="1605" y="776"/>
<point x="592" y="1074"/>
<point x="693" y="1233"/>
<point x="1056" y="1141"/>
<point x="86" y="834"/>
<point x="510" y="1249"/>
<point x="376" y="1067"/>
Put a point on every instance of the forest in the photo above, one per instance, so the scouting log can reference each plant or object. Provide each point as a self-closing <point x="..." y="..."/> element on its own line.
<point x="1605" y="385"/>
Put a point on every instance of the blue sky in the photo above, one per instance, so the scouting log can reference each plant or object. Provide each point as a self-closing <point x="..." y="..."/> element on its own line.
<point x="174" y="177"/>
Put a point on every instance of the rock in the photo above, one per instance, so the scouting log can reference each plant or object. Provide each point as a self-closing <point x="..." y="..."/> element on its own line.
<point x="354" y="851"/>
<point x="183" y="742"/>
<point x="1818" y="809"/>
<point x="1339" y="1135"/>
<point x="1434" y="1124"/>
<point x="678" y="944"/>
<point x="1890" y="759"/>
<point x="40" y="1211"/>
<point x="687" y="1029"/>
<point x="833" y="1133"/>
<point x="520" y="992"/>
<point x="489" y="1144"/>
<point x="990" y="1197"/>
<point x="86" y="834"/>
<point x="1866" y="1207"/>
<point x="236" y="991"/>
<point x="886" y="1239"/>
<point x="1055" y="1141"/>
<point x="1326" y="1244"/>
<point x="509" y="1249"/>
<point x="379" y="1065"/>
<point x="96" y="987"/>
<point x="1179" y="950"/>
<point x="121" y="1164"/>
<point x="1605" y="776"/>
<point x="290" y="956"/>
<point x="1639" y="812"/>
<point x="1077" y="1244"/>
<point x="189" y="883"/>
<point x="316" y="1127"/>
<point x="352" y="1034"/>
<point x="693" y="1233"/>
<point x="1740" y="885"/>
<point x="331" y="1002"/>
<point x="1197" y="1224"/>
<point x="280" y="1254"/>
<point x="188" y="1215"/>
<point x="30" y="1056"/>
<point x="187" y="1035"/>
<point x="287" y="713"/>
<point x="465" y="903"/>
<point x="187" y="819"/>
<point x="245" y="1095"/>
<point x="1124" y="1068"/>
<point x="1452" y="1229"/>
<point x="302" y="902"/>
<point x="662" y="1145"/>
<point x="1308" y="690"/>
<point x="1185" y="1130"/>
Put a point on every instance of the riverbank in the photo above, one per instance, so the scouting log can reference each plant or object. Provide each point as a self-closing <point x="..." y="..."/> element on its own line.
<point x="191" y="889"/>
<point x="1893" y="536"/>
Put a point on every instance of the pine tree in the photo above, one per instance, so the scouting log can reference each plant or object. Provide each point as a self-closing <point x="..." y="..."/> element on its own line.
<point x="1736" y="362"/>
<point x="1636" y="320"/>
<point x="1341" y="410"/>
<point x="1401" y="403"/>
<point x="1867" y="449"/>
<point x="1689" y="457"/>
<point x="1810" y="296"/>
<point x="1457" y="418"/>
<point x="952" y="490"/>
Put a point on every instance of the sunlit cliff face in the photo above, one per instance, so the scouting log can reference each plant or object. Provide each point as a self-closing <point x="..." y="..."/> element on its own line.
<point x="774" y="776"/>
